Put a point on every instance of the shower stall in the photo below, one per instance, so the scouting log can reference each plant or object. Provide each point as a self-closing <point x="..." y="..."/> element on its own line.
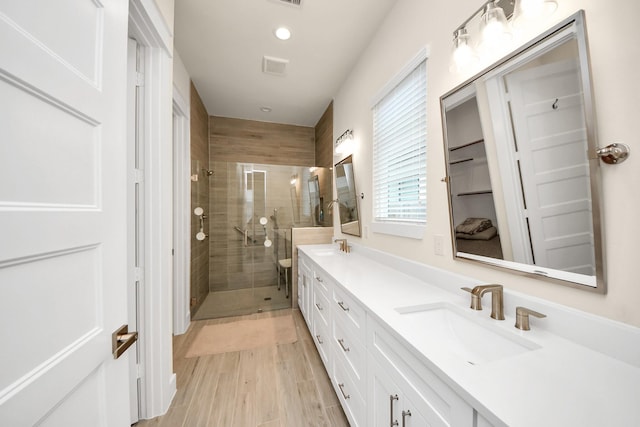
<point x="252" y="209"/>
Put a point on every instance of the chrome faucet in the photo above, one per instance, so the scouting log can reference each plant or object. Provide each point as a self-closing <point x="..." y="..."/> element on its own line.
<point x="344" y="246"/>
<point x="497" y="302"/>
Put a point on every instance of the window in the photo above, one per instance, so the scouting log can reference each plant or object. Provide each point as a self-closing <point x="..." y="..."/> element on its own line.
<point x="400" y="150"/>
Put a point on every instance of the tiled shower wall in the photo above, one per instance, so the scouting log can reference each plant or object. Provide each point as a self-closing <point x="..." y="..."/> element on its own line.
<point x="199" y="197"/>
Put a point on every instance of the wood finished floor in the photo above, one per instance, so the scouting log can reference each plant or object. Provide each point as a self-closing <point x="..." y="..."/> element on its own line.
<point x="279" y="386"/>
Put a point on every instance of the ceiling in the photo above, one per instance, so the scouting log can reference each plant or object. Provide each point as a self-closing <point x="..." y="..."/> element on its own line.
<point x="222" y="44"/>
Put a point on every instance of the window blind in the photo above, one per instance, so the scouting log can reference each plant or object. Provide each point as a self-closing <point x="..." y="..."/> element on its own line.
<point x="400" y="151"/>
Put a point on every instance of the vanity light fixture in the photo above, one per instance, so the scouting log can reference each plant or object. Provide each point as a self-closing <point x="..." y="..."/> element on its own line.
<point x="344" y="142"/>
<point x="495" y="29"/>
<point x="282" y="33"/>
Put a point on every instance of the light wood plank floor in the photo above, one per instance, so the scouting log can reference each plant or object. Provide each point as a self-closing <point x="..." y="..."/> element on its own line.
<point x="278" y="386"/>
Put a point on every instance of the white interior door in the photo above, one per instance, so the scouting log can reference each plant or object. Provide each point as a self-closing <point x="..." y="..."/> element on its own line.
<point x="548" y="115"/>
<point x="62" y="212"/>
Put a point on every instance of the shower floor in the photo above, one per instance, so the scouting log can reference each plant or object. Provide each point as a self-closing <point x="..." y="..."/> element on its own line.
<point x="242" y="301"/>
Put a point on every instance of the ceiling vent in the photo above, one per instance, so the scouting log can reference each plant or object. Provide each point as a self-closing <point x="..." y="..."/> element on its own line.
<point x="297" y="3"/>
<point x="277" y="66"/>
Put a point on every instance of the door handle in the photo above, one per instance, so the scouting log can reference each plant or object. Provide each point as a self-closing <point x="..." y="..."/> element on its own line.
<point x="121" y="340"/>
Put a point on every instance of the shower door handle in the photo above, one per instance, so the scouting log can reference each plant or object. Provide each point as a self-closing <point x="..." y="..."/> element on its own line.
<point x="246" y="237"/>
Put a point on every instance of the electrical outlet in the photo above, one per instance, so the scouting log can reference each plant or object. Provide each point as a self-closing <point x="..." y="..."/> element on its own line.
<point x="438" y="244"/>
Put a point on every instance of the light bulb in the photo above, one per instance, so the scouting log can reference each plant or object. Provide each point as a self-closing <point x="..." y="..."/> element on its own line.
<point x="531" y="10"/>
<point x="463" y="56"/>
<point x="493" y="24"/>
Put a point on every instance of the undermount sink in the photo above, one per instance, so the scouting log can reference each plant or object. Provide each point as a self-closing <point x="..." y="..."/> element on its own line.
<point x="456" y="331"/>
<point x="326" y="252"/>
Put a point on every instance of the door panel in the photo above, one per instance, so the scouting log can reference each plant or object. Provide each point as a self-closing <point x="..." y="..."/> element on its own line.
<point x="62" y="212"/>
<point x="548" y="116"/>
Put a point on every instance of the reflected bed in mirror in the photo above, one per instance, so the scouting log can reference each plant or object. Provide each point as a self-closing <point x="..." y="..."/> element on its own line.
<point x="523" y="191"/>
<point x="347" y="200"/>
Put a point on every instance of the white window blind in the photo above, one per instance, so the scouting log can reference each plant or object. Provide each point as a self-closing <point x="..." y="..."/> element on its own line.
<point x="400" y="151"/>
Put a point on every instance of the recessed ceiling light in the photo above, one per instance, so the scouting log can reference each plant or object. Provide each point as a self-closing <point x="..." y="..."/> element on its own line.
<point x="282" y="33"/>
<point x="265" y="109"/>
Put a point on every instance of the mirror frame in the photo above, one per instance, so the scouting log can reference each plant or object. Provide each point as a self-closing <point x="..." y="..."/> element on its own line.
<point x="348" y="159"/>
<point x="582" y="282"/>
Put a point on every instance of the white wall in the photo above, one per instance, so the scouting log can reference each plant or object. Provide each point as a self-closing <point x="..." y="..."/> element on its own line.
<point x="166" y="7"/>
<point x="615" y="59"/>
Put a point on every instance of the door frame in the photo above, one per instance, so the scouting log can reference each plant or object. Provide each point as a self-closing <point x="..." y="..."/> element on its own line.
<point x="158" y="382"/>
<point x="181" y="212"/>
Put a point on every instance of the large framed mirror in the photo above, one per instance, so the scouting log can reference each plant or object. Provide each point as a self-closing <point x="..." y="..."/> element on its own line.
<point x="523" y="189"/>
<point x="347" y="199"/>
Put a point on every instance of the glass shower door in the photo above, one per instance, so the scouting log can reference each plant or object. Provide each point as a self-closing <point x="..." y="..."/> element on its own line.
<point x="243" y="273"/>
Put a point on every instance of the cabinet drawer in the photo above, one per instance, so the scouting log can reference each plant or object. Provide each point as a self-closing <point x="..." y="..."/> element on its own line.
<point x="321" y="307"/>
<point x="349" y="395"/>
<point x="322" y="283"/>
<point x="348" y="312"/>
<point x="351" y="352"/>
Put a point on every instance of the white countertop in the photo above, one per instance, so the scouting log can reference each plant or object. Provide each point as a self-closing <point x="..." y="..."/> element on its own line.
<point x="566" y="382"/>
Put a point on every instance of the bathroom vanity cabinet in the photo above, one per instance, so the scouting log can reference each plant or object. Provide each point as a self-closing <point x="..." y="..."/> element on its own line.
<point x="378" y="382"/>
<point x="391" y="368"/>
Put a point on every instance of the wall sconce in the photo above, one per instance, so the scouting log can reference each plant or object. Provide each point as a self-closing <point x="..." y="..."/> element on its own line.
<point x="495" y="30"/>
<point x="344" y="142"/>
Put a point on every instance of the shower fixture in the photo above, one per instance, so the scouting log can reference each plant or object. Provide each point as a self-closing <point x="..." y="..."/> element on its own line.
<point x="199" y="212"/>
<point x="207" y="172"/>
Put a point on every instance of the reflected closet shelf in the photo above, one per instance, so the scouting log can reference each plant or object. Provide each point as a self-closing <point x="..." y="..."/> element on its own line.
<point x="458" y="147"/>
<point x="455" y="162"/>
<point x="473" y="193"/>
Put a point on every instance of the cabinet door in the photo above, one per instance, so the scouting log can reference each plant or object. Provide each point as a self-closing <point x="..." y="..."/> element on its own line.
<point x="306" y="300"/>
<point x="435" y="401"/>
<point x="302" y="293"/>
<point x="388" y="404"/>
